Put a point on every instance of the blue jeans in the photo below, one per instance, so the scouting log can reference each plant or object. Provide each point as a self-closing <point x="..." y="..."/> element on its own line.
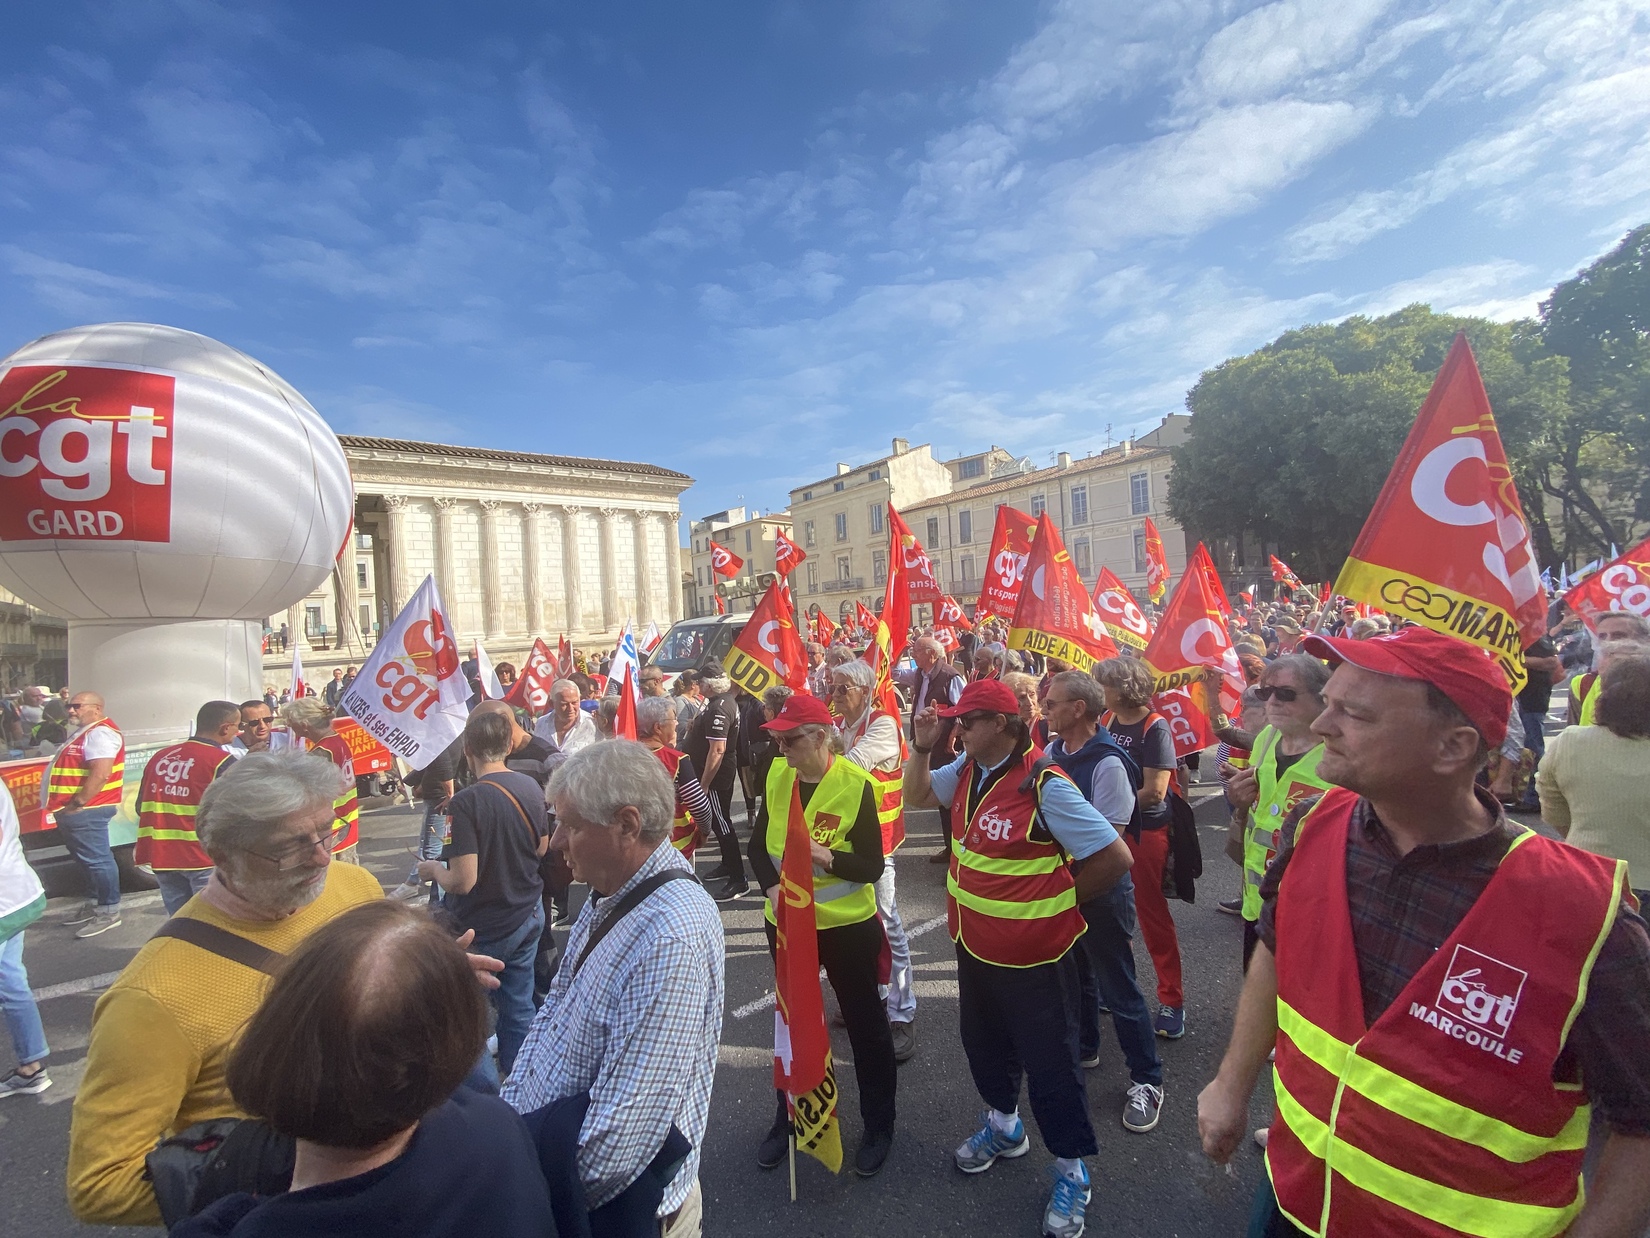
<point x="179" y="885"/>
<point x="1535" y="739"/>
<point x="28" y="1037"/>
<point x="86" y="835"/>
<point x="513" y="999"/>
<point x="1106" y="969"/>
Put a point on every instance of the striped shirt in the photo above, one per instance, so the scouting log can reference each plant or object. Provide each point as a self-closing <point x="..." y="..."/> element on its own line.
<point x="637" y="1028"/>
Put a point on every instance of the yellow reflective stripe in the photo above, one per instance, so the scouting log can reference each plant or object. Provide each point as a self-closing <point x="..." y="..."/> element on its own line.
<point x="837" y="889"/>
<point x="169" y="810"/>
<point x="1471" y="1214"/>
<point x="1409" y="1100"/>
<point x="1598" y="943"/>
<point x="1008" y="868"/>
<point x="174" y="836"/>
<point x="1035" y="909"/>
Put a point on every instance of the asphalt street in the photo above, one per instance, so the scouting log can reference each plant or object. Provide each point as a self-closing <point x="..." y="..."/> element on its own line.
<point x="1157" y="1183"/>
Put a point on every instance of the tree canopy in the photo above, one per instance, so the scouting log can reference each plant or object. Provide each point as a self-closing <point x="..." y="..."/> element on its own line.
<point x="1290" y="445"/>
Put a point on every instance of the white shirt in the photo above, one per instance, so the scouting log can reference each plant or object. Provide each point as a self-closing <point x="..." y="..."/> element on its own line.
<point x="878" y="747"/>
<point x="582" y="735"/>
<point x="104" y="743"/>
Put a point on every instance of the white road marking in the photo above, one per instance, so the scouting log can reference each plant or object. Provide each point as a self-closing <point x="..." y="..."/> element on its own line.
<point x="70" y="987"/>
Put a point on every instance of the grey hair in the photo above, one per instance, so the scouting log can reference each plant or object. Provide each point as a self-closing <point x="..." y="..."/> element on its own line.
<point x="932" y="645"/>
<point x="245" y="803"/>
<point x="599" y="781"/>
<point x="309" y="713"/>
<point x="775" y="697"/>
<point x="1311" y="673"/>
<point x="564" y="683"/>
<point x="838" y="654"/>
<point x="652" y="713"/>
<point x="858" y="672"/>
<point x="814" y="730"/>
<point x="1363" y="629"/>
<point x="1082" y="687"/>
<point x="1129" y="678"/>
<point x="715" y="685"/>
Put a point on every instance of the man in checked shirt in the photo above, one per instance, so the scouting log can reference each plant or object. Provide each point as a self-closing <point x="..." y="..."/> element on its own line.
<point x="635" y="1019"/>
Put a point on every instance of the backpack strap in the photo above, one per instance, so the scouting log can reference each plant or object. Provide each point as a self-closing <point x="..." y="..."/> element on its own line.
<point x="624" y="907"/>
<point x="223" y="943"/>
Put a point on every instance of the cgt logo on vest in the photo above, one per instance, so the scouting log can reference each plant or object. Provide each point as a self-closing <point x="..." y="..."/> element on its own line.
<point x="1476" y="1002"/>
<point x="994" y="825"/>
<point x="85" y="452"/>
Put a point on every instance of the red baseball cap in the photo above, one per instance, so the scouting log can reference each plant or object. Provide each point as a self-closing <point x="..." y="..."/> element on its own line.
<point x="1461" y="671"/>
<point x="991" y="695"/>
<point x="800" y="709"/>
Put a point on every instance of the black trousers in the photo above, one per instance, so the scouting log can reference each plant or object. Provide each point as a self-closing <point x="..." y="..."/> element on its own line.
<point x="727" y="841"/>
<point x="849" y="956"/>
<point x="1021" y="1022"/>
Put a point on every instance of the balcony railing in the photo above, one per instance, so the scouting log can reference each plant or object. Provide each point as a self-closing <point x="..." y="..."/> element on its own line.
<point x="850" y="584"/>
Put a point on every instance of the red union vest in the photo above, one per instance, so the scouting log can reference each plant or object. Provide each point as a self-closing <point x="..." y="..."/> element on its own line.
<point x="1442" y="1117"/>
<point x="1010" y="896"/>
<point x="68" y="771"/>
<point x="173" y="783"/>
<point x="684" y="835"/>
<point x="346" y="806"/>
<point x="889" y="783"/>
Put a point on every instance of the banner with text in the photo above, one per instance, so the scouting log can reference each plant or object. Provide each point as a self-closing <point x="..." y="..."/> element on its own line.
<point x="1055" y="615"/>
<point x="1623" y="584"/>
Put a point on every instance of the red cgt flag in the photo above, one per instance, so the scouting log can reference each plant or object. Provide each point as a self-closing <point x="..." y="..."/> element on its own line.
<point x="1125" y="622"/>
<point x="531" y="691"/>
<point x="1005" y="564"/>
<point x="904" y="549"/>
<point x="1446" y="544"/>
<point x="823" y="629"/>
<point x="1157" y="564"/>
<point x="1283" y="575"/>
<point x="1055" y="615"/>
<point x="786" y="553"/>
<point x="1623" y="584"/>
<point x="768" y="650"/>
<point x="802" y="1067"/>
<point x="724" y="562"/>
<point x="1204" y="563"/>
<point x="1190" y="636"/>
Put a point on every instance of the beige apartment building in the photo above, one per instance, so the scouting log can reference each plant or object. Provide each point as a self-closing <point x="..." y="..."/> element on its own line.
<point x="749" y="537"/>
<point x="840" y="521"/>
<point x="1099" y="503"/>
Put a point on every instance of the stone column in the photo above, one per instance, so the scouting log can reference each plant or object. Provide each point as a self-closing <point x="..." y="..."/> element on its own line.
<point x="571" y="568"/>
<point x="673" y="565"/>
<point x="492" y="580"/>
<point x="400" y="584"/>
<point x="349" y="597"/>
<point x="446" y="574"/>
<point x="532" y="560"/>
<point x="295" y="627"/>
<point x="645" y="607"/>
<point x="608" y="533"/>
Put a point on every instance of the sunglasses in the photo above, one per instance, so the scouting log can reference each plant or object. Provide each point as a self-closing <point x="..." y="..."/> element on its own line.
<point x="257" y="724"/>
<point x="842" y="689"/>
<point x="72" y="708"/>
<point x="968" y="720"/>
<point x="1283" y="695"/>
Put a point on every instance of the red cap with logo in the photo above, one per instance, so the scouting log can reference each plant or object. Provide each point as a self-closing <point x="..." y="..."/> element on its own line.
<point x="800" y="709"/>
<point x="1463" y="672"/>
<point x="990" y="695"/>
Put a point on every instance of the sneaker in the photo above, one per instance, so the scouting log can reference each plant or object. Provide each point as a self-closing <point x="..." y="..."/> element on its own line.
<point x="985" y="1145"/>
<point x="873" y="1151"/>
<point x="407" y="891"/>
<point x="905" y="1040"/>
<point x="1231" y="906"/>
<point x="101" y="922"/>
<point x="1063" y="1218"/>
<point x="19" y="1084"/>
<point x="1144" y="1105"/>
<point x="81" y="914"/>
<point x="1089" y="1061"/>
<point x="720" y="873"/>
<point x="775" y="1146"/>
<point x="736" y="887"/>
<point x="1171" y="1022"/>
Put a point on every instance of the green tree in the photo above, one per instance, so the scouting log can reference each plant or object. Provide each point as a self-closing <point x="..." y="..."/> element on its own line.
<point x="1595" y="462"/>
<point x="1290" y="445"/>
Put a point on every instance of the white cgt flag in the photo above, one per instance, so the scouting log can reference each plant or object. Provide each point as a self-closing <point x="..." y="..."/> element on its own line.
<point x="491" y="688"/>
<point x="411" y="695"/>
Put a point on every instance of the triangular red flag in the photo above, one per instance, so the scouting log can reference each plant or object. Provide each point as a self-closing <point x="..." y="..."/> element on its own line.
<point x="1204" y="562"/>
<point x="1621" y="585"/>
<point x="1125" y="622"/>
<point x="1055" y="615"/>
<point x="905" y="551"/>
<point x="1157" y="564"/>
<point x="950" y="615"/>
<point x="786" y="553"/>
<point x="724" y="562"/>
<point x="624" y="722"/>
<point x="768" y="649"/>
<point x="531" y="691"/>
<point x="1446" y="544"/>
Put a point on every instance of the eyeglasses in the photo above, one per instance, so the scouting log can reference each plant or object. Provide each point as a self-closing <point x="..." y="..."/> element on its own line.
<point x="968" y="720"/>
<point x="257" y="724"/>
<point x="296" y="852"/>
<point x="1050" y="702"/>
<point x="786" y="741"/>
<point x="1284" y="695"/>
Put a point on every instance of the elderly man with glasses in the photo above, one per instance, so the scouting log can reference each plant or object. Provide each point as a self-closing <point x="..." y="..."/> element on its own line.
<point x="871" y="740"/>
<point x="161" y="1035"/>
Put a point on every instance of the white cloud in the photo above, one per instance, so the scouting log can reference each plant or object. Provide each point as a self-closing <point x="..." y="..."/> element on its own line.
<point x="1270" y="50"/>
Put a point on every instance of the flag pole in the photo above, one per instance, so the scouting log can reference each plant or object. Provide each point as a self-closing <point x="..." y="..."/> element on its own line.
<point x="792" y="1141"/>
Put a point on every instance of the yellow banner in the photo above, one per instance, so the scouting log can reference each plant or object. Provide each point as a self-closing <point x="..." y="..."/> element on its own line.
<point x="1431" y="605"/>
<point x="1051" y="646"/>
<point x="813" y="1118"/>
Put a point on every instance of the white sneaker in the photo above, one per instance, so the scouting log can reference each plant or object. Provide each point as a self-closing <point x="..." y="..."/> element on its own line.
<point x="101" y="922"/>
<point x="407" y="891"/>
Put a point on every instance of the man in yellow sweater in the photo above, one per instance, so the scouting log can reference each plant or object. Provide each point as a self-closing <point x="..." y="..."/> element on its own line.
<point x="162" y="1033"/>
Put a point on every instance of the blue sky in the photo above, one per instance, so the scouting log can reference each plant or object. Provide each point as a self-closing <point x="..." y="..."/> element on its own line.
<point x="748" y="240"/>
